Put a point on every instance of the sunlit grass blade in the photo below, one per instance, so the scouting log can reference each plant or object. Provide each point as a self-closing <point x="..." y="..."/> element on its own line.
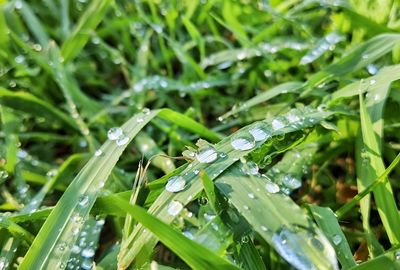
<point x="192" y="253"/>
<point x="374" y="165"/>
<point x="328" y="223"/>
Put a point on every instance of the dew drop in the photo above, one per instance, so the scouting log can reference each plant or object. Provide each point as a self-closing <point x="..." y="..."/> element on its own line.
<point x="207" y="155"/>
<point x="291" y="182"/>
<point x="174" y="208"/>
<point x="175" y="184"/>
<point x="397" y="255"/>
<point x="88" y="252"/>
<point x="243" y="143"/>
<point x="251" y="195"/>
<point x="372" y="82"/>
<point x="250" y="168"/>
<point x="277" y="124"/>
<point x="259" y="133"/>
<point x="272" y="187"/>
<point x="114" y="133"/>
<point x="263" y="228"/>
<point x="122" y="140"/>
<point x="98" y="152"/>
<point x="336" y="239"/>
<point x="83" y="200"/>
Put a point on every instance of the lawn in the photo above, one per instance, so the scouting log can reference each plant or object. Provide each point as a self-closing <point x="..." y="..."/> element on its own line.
<point x="195" y="134"/>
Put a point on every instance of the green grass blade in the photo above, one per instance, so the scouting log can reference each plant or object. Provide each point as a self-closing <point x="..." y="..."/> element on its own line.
<point x="327" y="221"/>
<point x="195" y="255"/>
<point x="390" y="261"/>
<point x="383" y="194"/>
<point x="80" y="35"/>
<point x="30" y="104"/>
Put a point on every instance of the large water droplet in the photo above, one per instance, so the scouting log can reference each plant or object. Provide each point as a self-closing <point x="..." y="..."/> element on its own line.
<point x="260" y="133"/>
<point x="114" y="133"/>
<point x="272" y="187"/>
<point x="206" y="155"/>
<point x="175" y="184"/>
<point x="174" y="208"/>
<point x="291" y="182"/>
<point x="88" y="252"/>
<point x="250" y="168"/>
<point x="277" y="124"/>
<point x="243" y="143"/>
<point x="122" y="140"/>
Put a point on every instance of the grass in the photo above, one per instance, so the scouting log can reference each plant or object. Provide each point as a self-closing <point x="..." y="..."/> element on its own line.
<point x="199" y="134"/>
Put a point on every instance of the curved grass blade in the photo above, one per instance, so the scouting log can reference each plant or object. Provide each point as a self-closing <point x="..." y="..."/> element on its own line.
<point x="327" y="221"/>
<point x="194" y="254"/>
<point x="17" y="231"/>
<point x="30" y="104"/>
<point x="389" y="261"/>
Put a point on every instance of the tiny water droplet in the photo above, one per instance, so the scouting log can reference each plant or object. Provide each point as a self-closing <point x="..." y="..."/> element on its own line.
<point x="263" y="228"/>
<point x="175" y="184"/>
<point x="372" y="82"/>
<point x="251" y="195"/>
<point x="250" y="168"/>
<point x="83" y="200"/>
<point x="114" y="133"/>
<point x="146" y="111"/>
<point x="174" y="208"/>
<point x="98" y="152"/>
<point x="336" y="239"/>
<point x="397" y="255"/>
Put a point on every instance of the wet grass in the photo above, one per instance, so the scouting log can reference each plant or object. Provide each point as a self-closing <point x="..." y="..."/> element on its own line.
<point x="199" y="135"/>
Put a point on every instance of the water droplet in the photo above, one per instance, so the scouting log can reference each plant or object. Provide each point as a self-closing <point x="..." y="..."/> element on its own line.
<point x="321" y="107"/>
<point x="206" y="155"/>
<point x="146" y="111"/>
<point x="114" y="133"/>
<point x="62" y="246"/>
<point x="19" y="59"/>
<point x="83" y="200"/>
<point x="188" y="234"/>
<point x="291" y="182"/>
<point x="372" y="82"/>
<point x="397" y="255"/>
<point x="175" y="184"/>
<point x="259" y="133"/>
<point x="122" y="140"/>
<point x="209" y="217"/>
<point x="245" y="239"/>
<point x="174" y="208"/>
<point x="277" y="124"/>
<point x="263" y="228"/>
<point x="98" y="152"/>
<point x="88" y="253"/>
<point x="75" y="249"/>
<point x="222" y="155"/>
<point x="18" y="4"/>
<point x="251" y="195"/>
<point x="250" y="168"/>
<point x="336" y="239"/>
<point x="272" y="187"/>
<point x="241" y="55"/>
<point x="243" y="143"/>
<point x="196" y="172"/>
<point x="372" y="69"/>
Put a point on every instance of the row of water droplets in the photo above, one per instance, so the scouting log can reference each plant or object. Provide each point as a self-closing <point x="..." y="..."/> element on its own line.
<point x="245" y="141"/>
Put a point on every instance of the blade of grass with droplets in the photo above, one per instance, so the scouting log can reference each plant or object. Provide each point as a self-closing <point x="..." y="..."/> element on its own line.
<point x="194" y="254"/>
<point x="89" y="20"/>
<point x="383" y="194"/>
<point x="278" y="220"/>
<point x="328" y="223"/>
<point x="75" y="204"/>
<point x="34" y="25"/>
<point x="141" y="240"/>
<point x="356" y="59"/>
<point x="30" y="104"/>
